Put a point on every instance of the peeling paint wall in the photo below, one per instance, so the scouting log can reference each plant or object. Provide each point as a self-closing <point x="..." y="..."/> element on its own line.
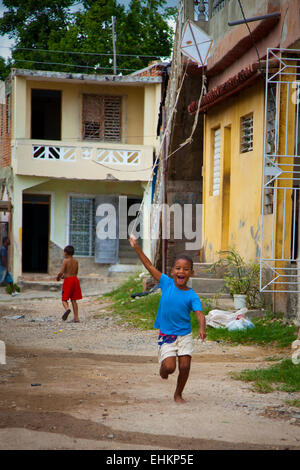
<point x="243" y="225"/>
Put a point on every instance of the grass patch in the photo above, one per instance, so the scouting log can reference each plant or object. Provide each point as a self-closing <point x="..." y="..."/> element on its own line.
<point x="9" y="290"/>
<point x="284" y="376"/>
<point x="294" y="403"/>
<point x="141" y="312"/>
<point x="267" y="331"/>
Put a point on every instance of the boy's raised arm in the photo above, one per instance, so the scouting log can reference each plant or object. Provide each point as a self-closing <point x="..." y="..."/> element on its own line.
<point x="146" y="262"/>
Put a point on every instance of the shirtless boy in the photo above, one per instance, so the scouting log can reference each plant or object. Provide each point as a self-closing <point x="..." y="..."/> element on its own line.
<point x="71" y="286"/>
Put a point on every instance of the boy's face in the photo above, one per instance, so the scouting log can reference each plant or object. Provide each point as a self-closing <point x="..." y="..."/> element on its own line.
<point x="181" y="272"/>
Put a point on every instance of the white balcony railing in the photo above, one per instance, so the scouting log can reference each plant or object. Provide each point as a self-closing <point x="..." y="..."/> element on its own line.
<point x="70" y="154"/>
<point x="66" y="159"/>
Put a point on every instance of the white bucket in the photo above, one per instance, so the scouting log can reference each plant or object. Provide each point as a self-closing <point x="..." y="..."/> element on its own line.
<point x="239" y="301"/>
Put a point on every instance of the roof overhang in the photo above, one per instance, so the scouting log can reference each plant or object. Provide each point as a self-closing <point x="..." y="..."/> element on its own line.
<point x="49" y="76"/>
<point x="233" y="85"/>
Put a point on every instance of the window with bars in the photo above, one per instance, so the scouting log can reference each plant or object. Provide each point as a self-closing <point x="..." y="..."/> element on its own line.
<point x="215" y="187"/>
<point x="101" y="117"/>
<point x="82" y="225"/>
<point x="247" y="133"/>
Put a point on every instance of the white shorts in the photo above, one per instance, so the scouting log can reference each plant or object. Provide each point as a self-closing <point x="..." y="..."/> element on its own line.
<point x="182" y="346"/>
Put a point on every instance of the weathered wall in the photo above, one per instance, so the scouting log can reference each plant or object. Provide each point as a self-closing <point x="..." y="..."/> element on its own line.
<point x="243" y="222"/>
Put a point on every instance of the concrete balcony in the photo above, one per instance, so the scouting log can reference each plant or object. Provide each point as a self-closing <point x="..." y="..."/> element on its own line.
<point x="82" y="160"/>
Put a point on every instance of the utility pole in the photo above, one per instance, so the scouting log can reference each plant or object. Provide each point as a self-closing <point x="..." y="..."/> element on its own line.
<point x="114" y="44"/>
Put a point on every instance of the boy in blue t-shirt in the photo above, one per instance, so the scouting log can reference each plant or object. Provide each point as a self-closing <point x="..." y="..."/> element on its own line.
<point x="173" y="317"/>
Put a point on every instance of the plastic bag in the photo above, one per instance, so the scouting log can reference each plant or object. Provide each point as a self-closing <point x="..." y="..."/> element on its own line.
<point x="240" y="323"/>
<point x="220" y="318"/>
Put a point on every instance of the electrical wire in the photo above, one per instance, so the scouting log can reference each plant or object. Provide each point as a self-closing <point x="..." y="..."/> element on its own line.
<point x="95" y="67"/>
<point x="78" y="52"/>
<point x="250" y="33"/>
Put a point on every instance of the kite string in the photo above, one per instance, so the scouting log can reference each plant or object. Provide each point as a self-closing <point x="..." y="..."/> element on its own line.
<point x="187" y="141"/>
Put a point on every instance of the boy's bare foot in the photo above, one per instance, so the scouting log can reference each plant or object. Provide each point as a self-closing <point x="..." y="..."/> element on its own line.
<point x="66" y="314"/>
<point x="76" y="321"/>
<point x="179" y="399"/>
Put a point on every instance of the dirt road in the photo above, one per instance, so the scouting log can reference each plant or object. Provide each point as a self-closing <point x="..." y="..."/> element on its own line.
<point x="95" y="385"/>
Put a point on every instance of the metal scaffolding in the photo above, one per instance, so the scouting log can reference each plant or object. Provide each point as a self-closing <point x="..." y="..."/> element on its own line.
<point x="280" y="247"/>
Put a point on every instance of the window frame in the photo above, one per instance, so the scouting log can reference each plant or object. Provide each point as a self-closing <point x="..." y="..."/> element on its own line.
<point x="251" y="144"/>
<point x="215" y="192"/>
<point x="92" y="228"/>
<point x="103" y="124"/>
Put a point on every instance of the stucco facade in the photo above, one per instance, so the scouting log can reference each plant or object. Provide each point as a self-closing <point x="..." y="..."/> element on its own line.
<point x="55" y="162"/>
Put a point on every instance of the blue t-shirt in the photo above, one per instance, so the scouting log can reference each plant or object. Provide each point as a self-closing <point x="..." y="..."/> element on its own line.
<point x="173" y="316"/>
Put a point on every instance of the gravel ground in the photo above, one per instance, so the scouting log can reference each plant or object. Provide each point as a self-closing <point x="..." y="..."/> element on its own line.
<point x="95" y="385"/>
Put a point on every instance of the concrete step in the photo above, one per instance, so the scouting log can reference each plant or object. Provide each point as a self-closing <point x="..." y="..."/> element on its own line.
<point x="221" y="302"/>
<point x="201" y="270"/>
<point x="95" y="283"/>
<point x="127" y="255"/>
<point x="202" y="284"/>
<point x="127" y="260"/>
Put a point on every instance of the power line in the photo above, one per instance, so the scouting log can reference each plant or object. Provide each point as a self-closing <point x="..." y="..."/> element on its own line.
<point x="250" y="32"/>
<point x="78" y="52"/>
<point x="68" y="65"/>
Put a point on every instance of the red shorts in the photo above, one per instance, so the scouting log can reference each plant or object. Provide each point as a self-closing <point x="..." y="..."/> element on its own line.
<point x="71" y="289"/>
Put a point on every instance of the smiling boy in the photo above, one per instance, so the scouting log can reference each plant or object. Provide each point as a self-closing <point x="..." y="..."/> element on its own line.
<point x="173" y="317"/>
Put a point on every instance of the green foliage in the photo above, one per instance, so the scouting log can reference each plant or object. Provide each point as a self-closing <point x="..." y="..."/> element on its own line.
<point x="46" y="31"/>
<point x="240" y="277"/>
<point x="4" y="69"/>
<point x="268" y="331"/>
<point x="284" y="376"/>
<point x="295" y="403"/>
<point x="139" y="312"/>
<point x="9" y="290"/>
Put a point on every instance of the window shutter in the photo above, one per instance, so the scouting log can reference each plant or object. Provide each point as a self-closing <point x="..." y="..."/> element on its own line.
<point x="112" y="118"/>
<point x="107" y="250"/>
<point x="101" y="117"/>
<point x="247" y="133"/>
<point x="217" y="162"/>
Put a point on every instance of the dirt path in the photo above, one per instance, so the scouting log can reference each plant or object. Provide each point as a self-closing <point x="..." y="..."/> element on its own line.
<point x="95" y="385"/>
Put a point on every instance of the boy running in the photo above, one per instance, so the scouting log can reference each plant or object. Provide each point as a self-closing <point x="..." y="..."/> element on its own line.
<point x="173" y="318"/>
<point x="71" y="286"/>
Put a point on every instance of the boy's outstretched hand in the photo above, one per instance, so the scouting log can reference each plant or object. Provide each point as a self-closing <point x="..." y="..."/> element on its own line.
<point x="146" y="262"/>
<point x="133" y="241"/>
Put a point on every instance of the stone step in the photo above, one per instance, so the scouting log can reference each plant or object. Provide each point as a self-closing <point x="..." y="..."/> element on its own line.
<point x="201" y="270"/>
<point x="88" y="283"/>
<point x="126" y="260"/>
<point x="127" y="254"/>
<point x="202" y="284"/>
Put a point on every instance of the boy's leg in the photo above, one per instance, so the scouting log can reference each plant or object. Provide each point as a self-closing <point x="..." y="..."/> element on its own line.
<point x="184" y="365"/>
<point x="167" y="367"/>
<point x="12" y="287"/>
<point x="67" y="310"/>
<point x="75" y="310"/>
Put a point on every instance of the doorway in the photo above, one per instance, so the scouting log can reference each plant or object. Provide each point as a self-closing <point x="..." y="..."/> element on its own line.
<point x="46" y="114"/>
<point x="35" y="233"/>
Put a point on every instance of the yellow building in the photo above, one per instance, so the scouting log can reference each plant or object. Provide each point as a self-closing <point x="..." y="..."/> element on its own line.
<point x="72" y="142"/>
<point x="233" y="169"/>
